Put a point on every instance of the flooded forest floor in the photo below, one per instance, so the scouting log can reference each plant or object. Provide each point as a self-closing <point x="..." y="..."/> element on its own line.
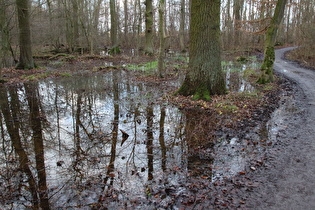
<point x="228" y="139"/>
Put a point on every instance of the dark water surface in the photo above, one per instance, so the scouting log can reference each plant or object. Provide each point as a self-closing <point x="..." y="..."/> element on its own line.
<point x="82" y="142"/>
<point x="77" y="139"/>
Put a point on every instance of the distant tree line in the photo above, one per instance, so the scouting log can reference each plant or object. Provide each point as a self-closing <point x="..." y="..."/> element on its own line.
<point x="81" y="26"/>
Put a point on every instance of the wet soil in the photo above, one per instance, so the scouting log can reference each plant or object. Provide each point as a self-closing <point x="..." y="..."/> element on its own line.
<point x="281" y="176"/>
<point x="285" y="176"/>
<point x="274" y="133"/>
<point x="287" y="181"/>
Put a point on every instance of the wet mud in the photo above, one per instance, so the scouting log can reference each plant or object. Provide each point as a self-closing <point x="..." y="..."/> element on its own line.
<point x="287" y="181"/>
<point x="113" y="141"/>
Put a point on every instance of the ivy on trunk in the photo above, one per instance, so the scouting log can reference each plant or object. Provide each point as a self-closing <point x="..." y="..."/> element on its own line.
<point x="204" y="77"/>
<point x="266" y="74"/>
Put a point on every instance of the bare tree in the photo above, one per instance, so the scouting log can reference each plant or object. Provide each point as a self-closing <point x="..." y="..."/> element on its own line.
<point x="26" y="58"/>
<point x="95" y="24"/>
<point x="237" y="12"/>
<point x="148" y="48"/>
<point x="182" y="26"/>
<point x="113" y="28"/>
<point x="162" y="38"/>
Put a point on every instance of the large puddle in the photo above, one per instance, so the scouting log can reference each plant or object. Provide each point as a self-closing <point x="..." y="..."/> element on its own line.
<point x="102" y="140"/>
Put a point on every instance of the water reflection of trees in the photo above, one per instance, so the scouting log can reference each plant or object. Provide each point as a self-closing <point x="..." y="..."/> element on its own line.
<point x="106" y="189"/>
<point x="234" y="76"/>
<point x="200" y="130"/>
<point x="88" y="141"/>
<point x="36" y="119"/>
<point x="10" y="109"/>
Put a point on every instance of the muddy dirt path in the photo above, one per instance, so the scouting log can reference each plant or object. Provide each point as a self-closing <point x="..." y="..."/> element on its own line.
<point x="288" y="180"/>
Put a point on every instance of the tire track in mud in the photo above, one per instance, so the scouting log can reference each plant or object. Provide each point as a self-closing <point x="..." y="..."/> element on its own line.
<point x="288" y="181"/>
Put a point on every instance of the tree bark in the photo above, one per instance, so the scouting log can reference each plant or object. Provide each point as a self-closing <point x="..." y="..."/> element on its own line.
<point x="182" y="26"/>
<point x="162" y="38"/>
<point x="75" y="22"/>
<point x="204" y="77"/>
<point x="7" y="57"/>
<point x="126" y="17"/>
<point x="237" y="12"/>
<point x="113" y="28"/>
<point x="95" y="24"/>
<point x="148" y="48"/>
<point x="266" y="75"/>
<point x="26" y="59"/>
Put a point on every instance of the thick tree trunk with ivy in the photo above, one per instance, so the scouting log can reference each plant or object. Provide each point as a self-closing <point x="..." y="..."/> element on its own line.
<point x="148" y="48"/>
<point x="266" y="69"/>
<point x="204" y="77"/>
<point x="26" y="58"/>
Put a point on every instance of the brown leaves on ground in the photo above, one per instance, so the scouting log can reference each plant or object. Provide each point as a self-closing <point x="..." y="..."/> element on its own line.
<point x="233" y="108"/>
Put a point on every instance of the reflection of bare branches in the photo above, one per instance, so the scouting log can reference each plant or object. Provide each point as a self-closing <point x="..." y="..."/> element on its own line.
<point x="36" y="125"/>
<point x="3" y="136"/>
<point x="150" y="140"/>
<point x="111" y="166"/>
<point x="89" y="135"/>
<point x="13" y="131"/>
<point x="161" y="138"/>
<point x="57" y="116"/>
<point x="132" y="153"/>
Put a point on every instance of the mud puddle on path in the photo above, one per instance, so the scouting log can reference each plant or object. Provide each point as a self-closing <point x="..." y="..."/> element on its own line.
<point x="109" y="141"/>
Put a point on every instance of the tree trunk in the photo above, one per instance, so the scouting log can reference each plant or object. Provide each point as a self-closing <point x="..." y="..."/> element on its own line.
<point x="7" y="57"/>
<point x="126" y="17"/>
<point x="26" y="58"/>
<point x="237" y="12"/>
<point x="96" y="17"/>
<point x="204" y="76"/>
<point x="75" y="22"/>
<point x="148" y="48"/>
<point x="266" y="75"/>
<point x="182" y="26"/>
<point x="162" y="38"/>
<point x="113" y="28"/>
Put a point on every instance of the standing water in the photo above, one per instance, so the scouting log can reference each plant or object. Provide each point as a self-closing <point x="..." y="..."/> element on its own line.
<point x="97" y="141"/>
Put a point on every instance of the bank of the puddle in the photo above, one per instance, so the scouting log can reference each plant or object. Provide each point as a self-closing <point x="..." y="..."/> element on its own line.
<point x="108" y="140"/>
